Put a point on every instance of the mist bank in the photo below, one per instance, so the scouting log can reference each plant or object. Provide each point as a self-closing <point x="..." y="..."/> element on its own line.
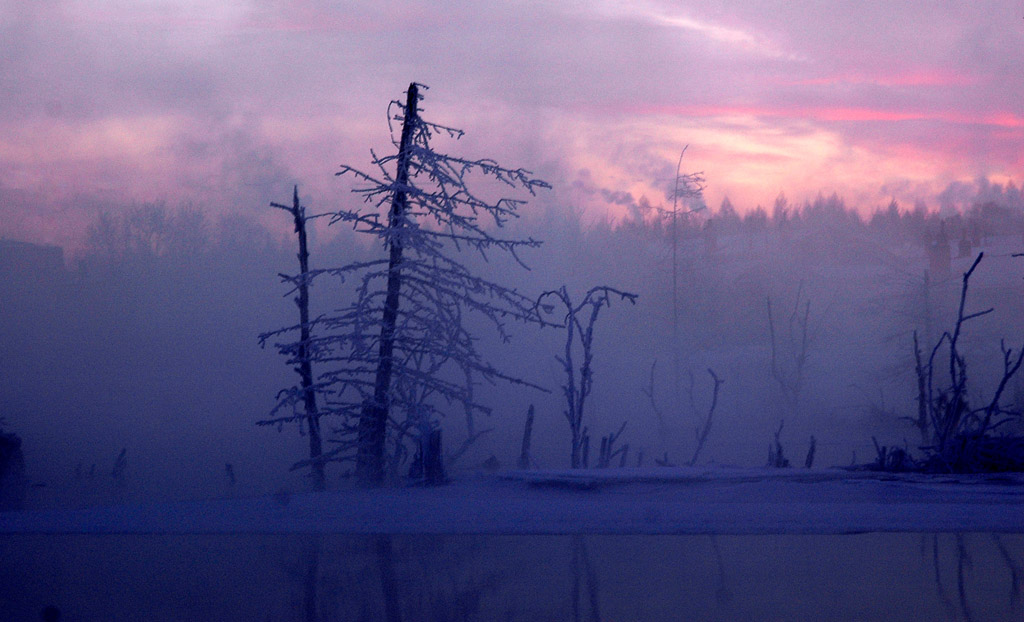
<point x="147" y="342"/>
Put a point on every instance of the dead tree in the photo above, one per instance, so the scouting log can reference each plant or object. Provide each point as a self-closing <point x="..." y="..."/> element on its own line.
<point x="692" y="187"/>
<point x="524" y="453"/>
<point x="961" y="435"/>
<point x="776" y="457"/>
<point x="585" y="449"/>
<point x="300" y="355"/>
<point x="649" y="392"/>
<point x="703" y="428"/>
<point x="579" y="338"/>
<point x="608" y="451"/>
<point x="789" y="349"/>
<point x="922" y="420"/>
<point x="427" y="467"/>
<point x="388" y="358"/>
<point x="374" y="417"/>
<point x="701" y="431"/>
<point x="809" y="458"/>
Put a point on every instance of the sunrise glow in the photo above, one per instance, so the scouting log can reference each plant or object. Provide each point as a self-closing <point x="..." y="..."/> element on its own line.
<point x="226" y="106"/>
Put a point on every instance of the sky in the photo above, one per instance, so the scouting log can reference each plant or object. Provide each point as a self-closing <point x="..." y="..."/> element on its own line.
<point x="223" y="105"/>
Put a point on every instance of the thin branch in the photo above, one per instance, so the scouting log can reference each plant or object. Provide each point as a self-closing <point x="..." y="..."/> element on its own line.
<point x="702" y="432"/>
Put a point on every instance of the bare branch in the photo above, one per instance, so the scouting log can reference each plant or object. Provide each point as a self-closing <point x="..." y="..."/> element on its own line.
<point x="702" y="431"/>
<point x="578" y="381"/>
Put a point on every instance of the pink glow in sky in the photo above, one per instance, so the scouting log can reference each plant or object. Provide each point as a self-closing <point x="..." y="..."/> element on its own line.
<point x="226" y="104"/>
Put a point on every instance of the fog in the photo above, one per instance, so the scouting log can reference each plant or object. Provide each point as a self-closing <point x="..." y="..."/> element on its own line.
<point x="147" y="340"/>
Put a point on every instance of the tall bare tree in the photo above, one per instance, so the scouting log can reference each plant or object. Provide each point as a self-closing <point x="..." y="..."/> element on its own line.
<point x="400" y="354"/>
<point x="688" y="186"/>
<point x="300" y="354"/>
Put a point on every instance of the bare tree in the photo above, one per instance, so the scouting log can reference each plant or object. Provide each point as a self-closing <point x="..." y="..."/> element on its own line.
<point x="960" y="433"/>
<point x="649" y="392"/>
<point x="704" y="427"/>
<point x="607" y="451"/>
<point x="400" y="354"/>
<point x="688" y="186"/>
<point x="300" y="354"/>
<point x="776" y="457"/>
<point x="579" y="337"/>
<point x="789" y="349"/>
<point x="524" y="452"/>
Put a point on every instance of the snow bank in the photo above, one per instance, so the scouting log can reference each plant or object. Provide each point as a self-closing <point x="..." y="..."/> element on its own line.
<point x="618" y="501"/>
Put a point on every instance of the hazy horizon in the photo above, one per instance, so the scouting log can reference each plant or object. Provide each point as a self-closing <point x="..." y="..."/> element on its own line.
<point x="224" y="108"/>
<point x="148" y="139"/>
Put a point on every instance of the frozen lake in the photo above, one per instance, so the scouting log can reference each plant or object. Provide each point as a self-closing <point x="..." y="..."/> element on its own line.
<point x="610" y="501"/>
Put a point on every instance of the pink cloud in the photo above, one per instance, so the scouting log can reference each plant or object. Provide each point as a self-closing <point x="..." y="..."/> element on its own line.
<point x="828" y="113"/>
<point x="927" y="77"/>
<point x="306" y="83"/>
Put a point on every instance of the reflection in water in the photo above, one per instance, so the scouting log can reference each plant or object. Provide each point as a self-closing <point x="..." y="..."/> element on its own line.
<point x="583" y="570"/>
<point x="1016" y="578"/>
<point x="389" y="587"/>
<point x="310" y="601"/>
<point x="722" y="594"/>
<point x="962" y="559"/>
<point x="581" y="578"/>
<point x="936" y="565"/>
<point x="964" y="555"/>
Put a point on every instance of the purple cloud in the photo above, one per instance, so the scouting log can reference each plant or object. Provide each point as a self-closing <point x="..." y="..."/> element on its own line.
<point x="225" y="105"/>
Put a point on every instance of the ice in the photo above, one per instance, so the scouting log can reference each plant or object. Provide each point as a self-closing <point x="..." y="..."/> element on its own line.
<point x="656" y="500"/>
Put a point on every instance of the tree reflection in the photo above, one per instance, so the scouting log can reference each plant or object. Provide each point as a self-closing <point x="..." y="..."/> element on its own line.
<point x="310" y="599"/>
<point x="962" y="577"/>
<point x="1016" y="577"/>
<point x="966" y="550"/>
<point x="723" y="595"/>
<point x="582" y="570"/>
<point x="388" y="584"/>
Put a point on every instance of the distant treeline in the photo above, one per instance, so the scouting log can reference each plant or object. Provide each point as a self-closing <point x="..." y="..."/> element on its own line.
<point x="1003" y="214"/>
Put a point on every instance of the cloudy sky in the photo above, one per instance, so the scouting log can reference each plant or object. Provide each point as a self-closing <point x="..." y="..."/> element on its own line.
<point x="225" y="104"/>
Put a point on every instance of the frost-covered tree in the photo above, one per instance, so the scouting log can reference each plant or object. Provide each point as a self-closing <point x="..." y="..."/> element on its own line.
<point x="401" y="353"/>
<point x="579" y="342"/>
<point x="300" y="355"/>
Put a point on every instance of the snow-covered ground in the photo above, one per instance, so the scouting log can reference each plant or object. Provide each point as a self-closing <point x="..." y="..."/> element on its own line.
<point x="619" y="501"/>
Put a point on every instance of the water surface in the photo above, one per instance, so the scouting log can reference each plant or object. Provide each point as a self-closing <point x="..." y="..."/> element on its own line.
<point x="874" y="576"/>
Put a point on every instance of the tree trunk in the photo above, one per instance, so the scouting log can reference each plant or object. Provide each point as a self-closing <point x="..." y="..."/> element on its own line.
<point x="524" y="453"/>
<point x="433" y="460"/>
<point x="372" y="431"/>
<point x="305" y="365"/>
<point x="922" y="393"/>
